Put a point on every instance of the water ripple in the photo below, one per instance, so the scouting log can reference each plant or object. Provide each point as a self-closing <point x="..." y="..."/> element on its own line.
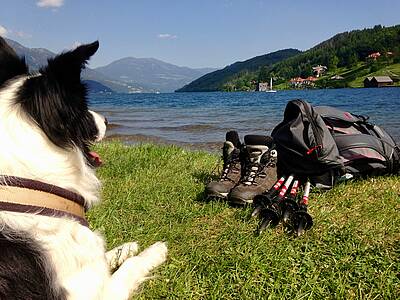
<point x="205" y="117"/>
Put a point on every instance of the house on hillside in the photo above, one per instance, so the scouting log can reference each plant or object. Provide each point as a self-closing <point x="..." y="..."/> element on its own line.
<point x="378" y="81"/>
<point x="296" y="82"/>
<point x="262" y="87"/>
<point x="318" y="70"/>
<point x="374" y="56"/>
<point x="337" y="77"/>
<point x="367" y="82"/>
<point x="309" y="81"/>
<point x="299" y="82"/>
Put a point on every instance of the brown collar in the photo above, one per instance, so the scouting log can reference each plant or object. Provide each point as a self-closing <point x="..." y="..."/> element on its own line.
<point x="35" y="197"/>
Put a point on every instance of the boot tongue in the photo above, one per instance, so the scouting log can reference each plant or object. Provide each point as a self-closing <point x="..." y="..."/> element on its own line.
<point x="256" y="146"/>
<point x="258" y="140"/>
<point x="233" y="137"/>
<point x="231" y="145"/>
<point x="255" y="152"/>
<point x="228" y="149"/>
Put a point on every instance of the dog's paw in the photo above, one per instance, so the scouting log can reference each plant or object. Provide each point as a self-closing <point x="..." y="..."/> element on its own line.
<point x="156" y="254"/>
<point x="118" y="255"/>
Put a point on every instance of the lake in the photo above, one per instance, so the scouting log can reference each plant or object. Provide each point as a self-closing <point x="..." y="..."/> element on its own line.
<point x="200" y="120"/>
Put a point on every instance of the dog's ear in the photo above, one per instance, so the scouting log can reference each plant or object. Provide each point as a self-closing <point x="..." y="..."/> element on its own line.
<point x="67" y="66"/>
<point x="10" y="64"/>
<point x="57" y="99"/>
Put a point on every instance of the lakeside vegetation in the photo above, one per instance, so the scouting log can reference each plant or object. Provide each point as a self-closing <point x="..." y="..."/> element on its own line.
<point x="354" y="77"/>
<point x="216" y="80"/>
<point x="153" y="193"/>
<point x="345" y="54"/>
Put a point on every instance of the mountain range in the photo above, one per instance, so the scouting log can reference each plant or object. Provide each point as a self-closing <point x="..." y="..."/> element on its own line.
<point x="151" y="74"/>
<point x="126" y="75"/>
<point x="345" y="56"/>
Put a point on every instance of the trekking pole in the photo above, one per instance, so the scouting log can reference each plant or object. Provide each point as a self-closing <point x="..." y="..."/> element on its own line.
<point x="290" y="205"/>
<point x="302" y="220"/>
<point x="271" y="215"/>
<point x="265" y="199"/>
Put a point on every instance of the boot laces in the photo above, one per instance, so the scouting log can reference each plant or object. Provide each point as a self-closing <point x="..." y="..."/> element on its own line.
<point x="229" y="167"/>
<point x="253" y="171"/>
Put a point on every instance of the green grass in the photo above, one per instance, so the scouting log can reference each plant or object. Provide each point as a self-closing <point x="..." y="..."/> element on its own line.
<point x="155" y="193"/>
<point x="391" y="70"/>
<point x="354" y="76"/>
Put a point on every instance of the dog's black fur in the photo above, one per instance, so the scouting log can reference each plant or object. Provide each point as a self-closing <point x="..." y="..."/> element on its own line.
<point x="49" y="258"/>
<point x="25" y="270"/>
<point x="10" y="64"/>
<point x="56" y="100"/>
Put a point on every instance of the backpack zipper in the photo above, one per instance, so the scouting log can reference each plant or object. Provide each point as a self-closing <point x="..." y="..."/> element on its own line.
<point x="318" y="137"/>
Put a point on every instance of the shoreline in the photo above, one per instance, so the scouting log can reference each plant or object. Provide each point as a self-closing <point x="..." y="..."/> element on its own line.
<point x="200" y="121"/>
<point x="136" y="139"/>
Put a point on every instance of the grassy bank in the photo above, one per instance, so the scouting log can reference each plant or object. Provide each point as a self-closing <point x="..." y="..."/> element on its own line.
<point x="392" y="71"/>
<point x="353" y="76"/>
<point x="155" y="193"/>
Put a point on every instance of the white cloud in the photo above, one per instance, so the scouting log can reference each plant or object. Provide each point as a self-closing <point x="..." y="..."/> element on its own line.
<point x="50" y="3"/>
<point x="6" y="32"/>
<point x="167" y="36"/>
<point x="23" y="35"/>
<point x="3" y="31"/>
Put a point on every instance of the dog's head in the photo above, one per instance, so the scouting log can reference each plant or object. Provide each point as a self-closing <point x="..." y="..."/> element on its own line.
<point x="45" y="123"/>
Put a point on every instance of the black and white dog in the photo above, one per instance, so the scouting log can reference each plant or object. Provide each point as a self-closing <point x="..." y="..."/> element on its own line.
<point x="48" y="181"/>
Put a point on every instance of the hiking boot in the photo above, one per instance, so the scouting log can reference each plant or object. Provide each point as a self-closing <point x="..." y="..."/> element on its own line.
<point x="231" y="169"/>
<point x="259" y="171"/>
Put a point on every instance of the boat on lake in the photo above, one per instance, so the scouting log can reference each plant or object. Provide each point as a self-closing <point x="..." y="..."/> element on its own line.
<point x="270" y="90"/>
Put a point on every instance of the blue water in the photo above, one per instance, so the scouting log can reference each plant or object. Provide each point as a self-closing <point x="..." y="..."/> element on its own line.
<point x="199" y="118"/>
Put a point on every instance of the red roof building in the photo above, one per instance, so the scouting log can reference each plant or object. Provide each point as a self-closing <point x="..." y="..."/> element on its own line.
<point x="374" y="55"/>
<point x="299" y="82"/>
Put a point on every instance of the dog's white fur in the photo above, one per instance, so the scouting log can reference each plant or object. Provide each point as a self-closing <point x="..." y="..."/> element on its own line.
<point x="77" y="254"/>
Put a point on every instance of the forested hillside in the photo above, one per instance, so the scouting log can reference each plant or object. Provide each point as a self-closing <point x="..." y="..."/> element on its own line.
<point x="216" y="80"/>
<point x="344" y="50"/>
<point x="345" y="55"/>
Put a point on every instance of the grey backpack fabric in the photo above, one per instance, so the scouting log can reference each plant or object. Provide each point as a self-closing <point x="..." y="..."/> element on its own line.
<point x="324" y="143"/>
<point x="366" y="149"/>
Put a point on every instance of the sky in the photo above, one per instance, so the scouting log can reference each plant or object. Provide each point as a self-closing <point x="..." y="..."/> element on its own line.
<point x="192" y="33"/>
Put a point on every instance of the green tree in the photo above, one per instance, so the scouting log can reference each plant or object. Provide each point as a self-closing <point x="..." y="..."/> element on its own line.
<point x="263" y="74"/>
<point x="333" y="63"/>
<point x="374" y="67"/>
<point x="352" y="59"/>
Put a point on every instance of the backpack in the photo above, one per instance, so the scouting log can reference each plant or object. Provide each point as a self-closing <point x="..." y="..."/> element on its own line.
<point x="326" y="144"/>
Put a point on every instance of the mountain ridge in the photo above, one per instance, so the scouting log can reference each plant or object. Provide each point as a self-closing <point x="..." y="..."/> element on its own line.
<point x="214" y="81"/>
<point x="171" y="77"/>
<point x="151" y="73"/>
<point x="345" y="54"/>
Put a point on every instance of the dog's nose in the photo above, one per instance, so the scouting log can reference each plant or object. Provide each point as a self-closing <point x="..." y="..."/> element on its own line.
<point x="105" y="121"/>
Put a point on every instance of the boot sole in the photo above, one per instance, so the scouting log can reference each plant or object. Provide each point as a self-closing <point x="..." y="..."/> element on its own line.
<point x="241" y="202"/>
<point x="217" y="196"/>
